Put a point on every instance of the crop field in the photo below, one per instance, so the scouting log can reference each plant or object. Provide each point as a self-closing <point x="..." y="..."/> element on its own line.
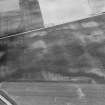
<point x="26" y="15"/>
<point x="59" y="65"/>
<point x="48" y="93"/>
<point x="71" y="52"/>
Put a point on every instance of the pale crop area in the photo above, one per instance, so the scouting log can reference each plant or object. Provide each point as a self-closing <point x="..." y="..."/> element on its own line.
<point x="61" y="11"/>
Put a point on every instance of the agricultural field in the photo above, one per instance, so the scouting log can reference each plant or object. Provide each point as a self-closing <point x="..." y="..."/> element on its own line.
<point x="19" y="16"/>
<point x="47" y="93"/>
<point x="71" y="52"/>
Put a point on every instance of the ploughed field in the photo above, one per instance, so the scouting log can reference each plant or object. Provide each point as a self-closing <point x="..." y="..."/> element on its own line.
<point x="53" y="93"/>
<point x="73" y="52"/>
